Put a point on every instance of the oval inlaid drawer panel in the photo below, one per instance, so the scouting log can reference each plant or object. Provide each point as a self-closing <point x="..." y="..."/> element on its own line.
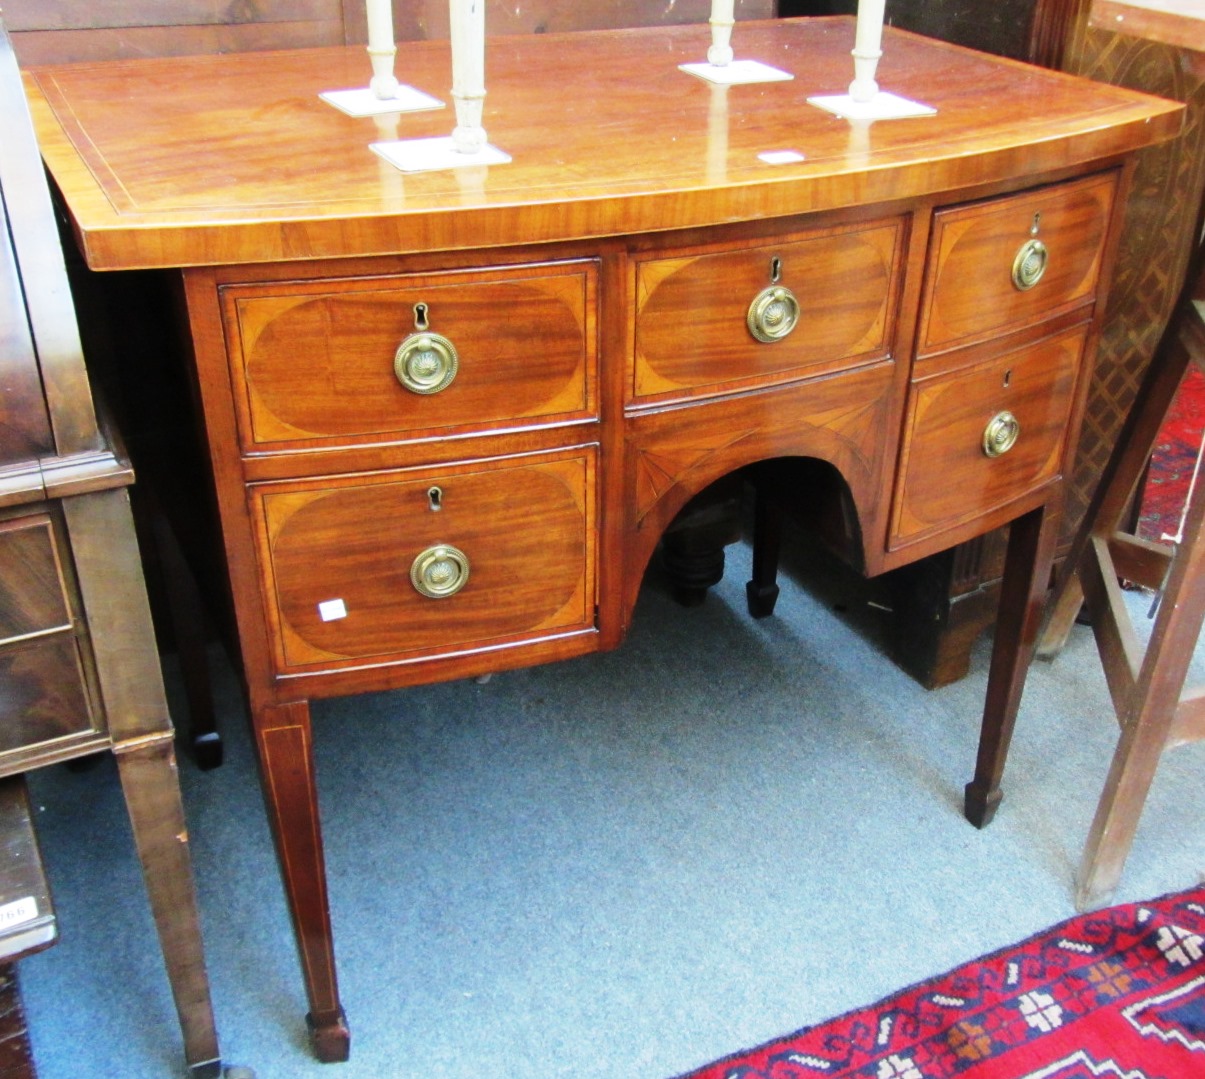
<point x="948" y="476"/>
<point x="1054" y="234"/>
<point x="315" y="361"/>
<point x="512" y="542"/>
<point x="693" y="332"/>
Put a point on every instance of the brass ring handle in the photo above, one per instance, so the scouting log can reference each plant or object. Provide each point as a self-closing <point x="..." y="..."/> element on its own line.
<point x="773" y="314"/>
<point x="1000" y="434"/>
<point x="1029" y="265"/>
<point x="426" y="363"/>
<point x="440" y="571"/>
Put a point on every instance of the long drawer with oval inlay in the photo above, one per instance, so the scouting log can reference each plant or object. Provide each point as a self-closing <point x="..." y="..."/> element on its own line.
<point x="332" y="362"/>
<point x="717" y="320"/>
<point x="999" y="265"/>
<point x="419" y="563"/>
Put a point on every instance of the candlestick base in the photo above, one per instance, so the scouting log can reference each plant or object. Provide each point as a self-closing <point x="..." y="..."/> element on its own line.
<point x="737" y="73"/>
<point x="883" y="106"/>
<point x="432" y="155"/>
<point x="364" y="102"/>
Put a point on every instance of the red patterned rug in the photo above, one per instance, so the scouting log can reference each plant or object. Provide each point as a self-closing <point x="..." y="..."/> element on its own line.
<point x="1116" y="994"/>
<point x="1173" y="460"/>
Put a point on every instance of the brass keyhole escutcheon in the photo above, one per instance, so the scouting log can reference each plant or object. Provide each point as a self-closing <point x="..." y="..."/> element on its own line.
<point x="1029" y="265"/>
<point x="440" y="571"/>
<point x="773" y="313"/>
<point x="1000" y="434"/>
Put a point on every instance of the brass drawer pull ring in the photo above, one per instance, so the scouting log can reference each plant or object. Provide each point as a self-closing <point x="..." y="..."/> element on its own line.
<point x="1000" y="435"/>
<point x="425" y="362"/>
<point x="1029" y="265"/>
<point x="440" y="571"/>
<point x="773" y="314"/>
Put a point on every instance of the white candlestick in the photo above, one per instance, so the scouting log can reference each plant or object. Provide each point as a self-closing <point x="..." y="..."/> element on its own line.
<point x="381" y="47"/>
<point x="468" y="72"/>
<point x="720" y="53"/>
<point x="867" y="49"/>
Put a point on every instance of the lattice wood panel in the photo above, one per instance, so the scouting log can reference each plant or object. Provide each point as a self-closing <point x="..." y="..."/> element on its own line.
<point x="1161" y="215"/>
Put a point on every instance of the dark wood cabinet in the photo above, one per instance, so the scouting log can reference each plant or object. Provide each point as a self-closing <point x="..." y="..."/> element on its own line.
<point x="78" y="667"/>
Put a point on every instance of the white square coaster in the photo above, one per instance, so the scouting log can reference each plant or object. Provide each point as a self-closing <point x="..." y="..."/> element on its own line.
<point x="737" y="73"/>
<point x="430" y="155"/>
<point x="364" y="102"/>
<point x="883" y="106"/>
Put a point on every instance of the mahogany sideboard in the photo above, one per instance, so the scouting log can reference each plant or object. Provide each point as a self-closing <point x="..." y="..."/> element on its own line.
<point x="450" y="414"/>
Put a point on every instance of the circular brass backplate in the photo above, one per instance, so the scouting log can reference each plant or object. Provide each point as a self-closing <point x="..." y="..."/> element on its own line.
<point x="1000" y="434"/>
<point x="440" y="571"/>
<point x="1029" y="265"/>
<point x="773" y="314"/>
<point x="426" y="363"/>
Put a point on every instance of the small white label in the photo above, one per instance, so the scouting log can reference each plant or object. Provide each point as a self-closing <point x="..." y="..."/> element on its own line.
<point x="18" y="912"/>
<point x="780" y="157"/>
<point x="331" y="609"/>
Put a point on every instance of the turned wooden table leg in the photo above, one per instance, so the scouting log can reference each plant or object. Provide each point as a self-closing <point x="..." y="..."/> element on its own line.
<point x="284" y="739"/>
<point x="761" y="591"/>
<point x="1027" y="567"/>
<point x="150" y="783"/>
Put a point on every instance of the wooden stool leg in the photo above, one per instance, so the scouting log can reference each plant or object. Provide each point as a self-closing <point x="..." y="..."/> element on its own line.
<point x="1027" y="565"/>
<point x="285" y="743"/>
<point x="152" y="793"/>
<point x="1063" y="611"/>
<point x="1110" y="503"/>
<point x="1148" y="719"/>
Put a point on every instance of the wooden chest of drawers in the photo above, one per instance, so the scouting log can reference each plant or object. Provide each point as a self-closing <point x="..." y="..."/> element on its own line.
<point x="79" y="672"/>
<point x="450" y="415"/>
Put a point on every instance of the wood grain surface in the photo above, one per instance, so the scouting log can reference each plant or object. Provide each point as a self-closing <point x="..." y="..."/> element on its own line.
<point x="608" y="137"/>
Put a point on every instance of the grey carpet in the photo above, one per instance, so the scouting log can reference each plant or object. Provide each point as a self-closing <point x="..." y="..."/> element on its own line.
<point x="619" y="867"/>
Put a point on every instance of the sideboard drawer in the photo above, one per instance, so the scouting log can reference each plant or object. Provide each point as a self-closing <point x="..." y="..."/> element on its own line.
<point x="45" y="696"/>
<point x="33" y="592"/>
<point x="45" y="692"/>
<point x="948" y="475"/>
<point x="420" y="563"/>
<point x="370" y="358"/>
<point x="694" y="311"/>
<point x="984" y="258"/>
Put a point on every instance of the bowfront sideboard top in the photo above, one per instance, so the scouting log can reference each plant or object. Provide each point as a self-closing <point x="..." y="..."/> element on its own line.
<point x="451" y="414"/>
<point x="212" y="160"/>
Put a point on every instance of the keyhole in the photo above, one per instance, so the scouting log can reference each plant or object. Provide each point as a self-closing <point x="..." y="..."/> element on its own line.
<point x="420" y="317"/>
<point x="775" y="270"/>
<point x="435" y="497"/>
<point x="1037" y="223"/>
<point x="1008" y="377"/>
